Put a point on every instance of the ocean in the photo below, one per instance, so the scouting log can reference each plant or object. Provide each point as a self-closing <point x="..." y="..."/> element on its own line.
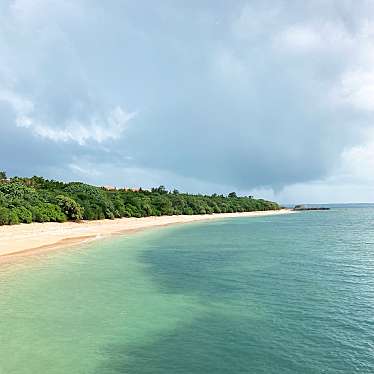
<point x="278" y="294"/>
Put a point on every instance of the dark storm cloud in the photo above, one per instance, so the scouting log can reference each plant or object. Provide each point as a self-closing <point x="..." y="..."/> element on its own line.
<point x="242" y="94"/>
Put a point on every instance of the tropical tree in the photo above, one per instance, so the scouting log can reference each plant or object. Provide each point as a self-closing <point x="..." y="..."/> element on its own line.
<point x="37" y="199"/>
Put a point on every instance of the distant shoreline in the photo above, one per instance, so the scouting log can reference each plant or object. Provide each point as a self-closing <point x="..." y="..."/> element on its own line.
<point x="29" y="239"/>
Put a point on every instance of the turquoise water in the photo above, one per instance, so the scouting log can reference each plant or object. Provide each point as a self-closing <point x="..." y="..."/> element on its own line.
<point x="282" y="294"/>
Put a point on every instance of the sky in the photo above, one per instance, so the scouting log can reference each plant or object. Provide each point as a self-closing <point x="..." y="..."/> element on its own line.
<point x="268" y="98"/>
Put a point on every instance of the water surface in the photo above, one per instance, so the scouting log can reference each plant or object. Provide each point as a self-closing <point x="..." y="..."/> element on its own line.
<point x="277" y="294"/>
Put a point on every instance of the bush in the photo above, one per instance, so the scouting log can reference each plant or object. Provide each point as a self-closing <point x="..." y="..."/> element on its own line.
<point x="4" y="216"/>
<point x="188" y="211"/>
<point x="48" y="213"/>
<point x="70" y="207"/>
<point x="109" y="214"/>
<point x="24" y="215"/>
<point x="13" y="218"/>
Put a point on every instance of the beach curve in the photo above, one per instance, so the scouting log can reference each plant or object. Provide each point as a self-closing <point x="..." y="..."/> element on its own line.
<point x="28" y="239"/>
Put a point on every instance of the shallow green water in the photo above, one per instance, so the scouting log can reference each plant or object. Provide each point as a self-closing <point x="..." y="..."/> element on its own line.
<point x="282" y="294"/>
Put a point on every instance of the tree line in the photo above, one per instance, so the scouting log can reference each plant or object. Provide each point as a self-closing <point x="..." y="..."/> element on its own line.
<point x="26" y="200"/>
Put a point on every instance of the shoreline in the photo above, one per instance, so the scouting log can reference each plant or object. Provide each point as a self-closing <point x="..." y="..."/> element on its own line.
<point x="29" y="239"/>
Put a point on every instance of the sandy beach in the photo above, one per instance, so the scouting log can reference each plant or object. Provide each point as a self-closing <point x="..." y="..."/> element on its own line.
<point x="27" y="239"/>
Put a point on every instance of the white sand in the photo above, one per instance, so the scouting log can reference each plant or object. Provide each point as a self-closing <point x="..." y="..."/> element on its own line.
<point x="26" y="239"/>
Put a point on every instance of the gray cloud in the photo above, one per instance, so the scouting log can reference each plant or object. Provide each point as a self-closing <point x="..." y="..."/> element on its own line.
<point x="243" y="95"/>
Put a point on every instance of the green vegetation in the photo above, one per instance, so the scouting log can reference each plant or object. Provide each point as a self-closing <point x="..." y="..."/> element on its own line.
<point x="25" y="200"/>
